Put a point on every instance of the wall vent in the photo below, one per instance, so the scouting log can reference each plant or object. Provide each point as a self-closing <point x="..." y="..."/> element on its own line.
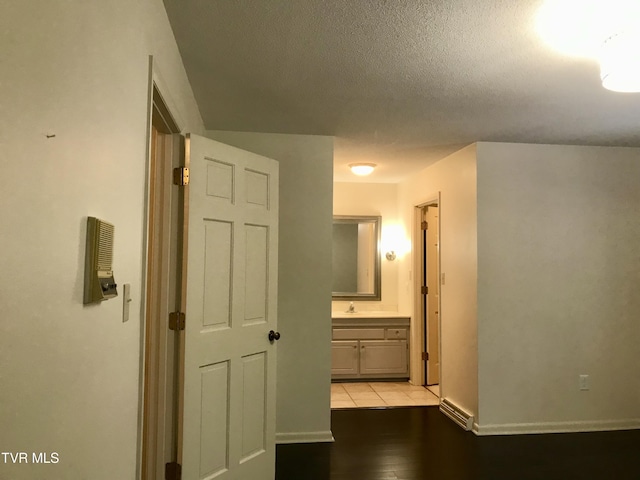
<point x="456" y="414"/>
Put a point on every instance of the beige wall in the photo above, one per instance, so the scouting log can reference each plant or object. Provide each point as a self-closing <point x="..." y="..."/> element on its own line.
<point x="304" y="279"/>
<point x="554" y="257"/>
<point x="378" y="199"/>
<point x="70" y="374"/>
<point x="454" y="178"/>
<point x="559" y="272"/>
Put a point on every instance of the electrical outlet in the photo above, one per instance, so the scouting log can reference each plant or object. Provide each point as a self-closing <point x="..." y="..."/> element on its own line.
<point x="584" y="382"/>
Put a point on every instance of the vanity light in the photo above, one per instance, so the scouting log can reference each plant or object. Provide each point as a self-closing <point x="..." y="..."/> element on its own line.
<point x="362" y="168"/>
<point x="391" y="256"/>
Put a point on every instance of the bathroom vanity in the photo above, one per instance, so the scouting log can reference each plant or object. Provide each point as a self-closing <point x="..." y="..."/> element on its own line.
<point x="369" y="345"/>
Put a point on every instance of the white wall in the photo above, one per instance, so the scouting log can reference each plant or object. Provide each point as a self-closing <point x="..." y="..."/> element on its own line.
<point x="454" y="178"/>
<point x="69" y="374"/>
<point x="377" y="199"/>
<point x="304" y="278"/>
<point x="559" y="272"/>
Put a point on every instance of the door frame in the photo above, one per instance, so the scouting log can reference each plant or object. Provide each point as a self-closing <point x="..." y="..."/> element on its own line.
<point x="418" y="336"/>
<point x="158" y="345"/>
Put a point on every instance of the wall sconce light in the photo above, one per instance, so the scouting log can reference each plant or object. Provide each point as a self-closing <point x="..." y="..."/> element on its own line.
<point x="394" y="243"/>
<point x="362" y="168"/>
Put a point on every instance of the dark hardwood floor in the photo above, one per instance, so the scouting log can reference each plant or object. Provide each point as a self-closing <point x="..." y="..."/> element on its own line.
<point x="422" y="444"/>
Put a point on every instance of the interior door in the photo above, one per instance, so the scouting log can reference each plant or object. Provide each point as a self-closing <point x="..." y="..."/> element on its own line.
<point x="433" y="296"/>
<point x="228" y="396"/>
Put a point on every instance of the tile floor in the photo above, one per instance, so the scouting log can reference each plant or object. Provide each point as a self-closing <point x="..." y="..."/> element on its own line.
<point x="435" y="389"/>
<point x="380" y="394"/>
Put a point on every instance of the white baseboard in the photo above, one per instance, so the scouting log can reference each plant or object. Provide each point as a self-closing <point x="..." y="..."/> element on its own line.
<point x="305" y="437"/>
<point x="557" y="427"/>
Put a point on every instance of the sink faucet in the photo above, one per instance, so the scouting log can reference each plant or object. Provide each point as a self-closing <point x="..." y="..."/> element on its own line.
<point x="352" y="308"/>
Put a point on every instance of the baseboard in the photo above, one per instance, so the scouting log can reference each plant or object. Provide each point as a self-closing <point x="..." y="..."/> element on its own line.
<point x="456" y="414"/>
<point x="304" y="437"/>
<point x="557" y="427"/>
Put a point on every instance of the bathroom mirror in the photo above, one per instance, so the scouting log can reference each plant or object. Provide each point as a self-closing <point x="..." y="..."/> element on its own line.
<point x="356" y="258"/>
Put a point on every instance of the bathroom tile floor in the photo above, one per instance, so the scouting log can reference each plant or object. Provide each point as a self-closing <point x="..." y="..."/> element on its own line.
<point x="435" y="389"/>
<point x="380" y="394"/>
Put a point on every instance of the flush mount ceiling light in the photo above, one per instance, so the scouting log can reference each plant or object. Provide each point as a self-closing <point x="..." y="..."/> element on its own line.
<point x="620" y="62"/>
<point x="362" y="168"/>
<point x="603" y="30"/>
<point x="575" y="27"/>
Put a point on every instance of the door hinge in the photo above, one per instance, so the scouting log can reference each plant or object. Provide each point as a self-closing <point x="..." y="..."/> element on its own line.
<point x="177" y="321"/>
<point x="173" y="471"/>
<point x="424" y="225"/>
<point x="424" y="290"/>
<point x="181" y="176"/>
<point x="425" y="355"/>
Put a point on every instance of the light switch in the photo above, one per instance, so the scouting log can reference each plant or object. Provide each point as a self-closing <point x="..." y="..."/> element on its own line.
<point x="126" y="301"/>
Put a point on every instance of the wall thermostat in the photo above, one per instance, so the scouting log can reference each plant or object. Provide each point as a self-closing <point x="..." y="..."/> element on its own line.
<point x="99" y="283"/>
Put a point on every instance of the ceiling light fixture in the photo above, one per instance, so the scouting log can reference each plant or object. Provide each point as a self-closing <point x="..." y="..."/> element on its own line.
<point x="603" y="30"/>
<point x="362" y="168"/>
<point x="620" y="62"/>
<point x="575" y="28"/>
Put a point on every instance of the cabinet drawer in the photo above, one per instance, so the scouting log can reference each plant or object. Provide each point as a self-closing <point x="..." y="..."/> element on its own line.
<point x="358" y="333"/>
<point x="396" y="333"/>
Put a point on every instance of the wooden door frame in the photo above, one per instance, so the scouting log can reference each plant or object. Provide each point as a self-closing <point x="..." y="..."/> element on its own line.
<point x="418" y="328"/>
<point x="158" y="395"/>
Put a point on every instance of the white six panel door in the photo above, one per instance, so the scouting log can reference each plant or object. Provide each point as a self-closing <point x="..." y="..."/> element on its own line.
<point x="228" y="426"/>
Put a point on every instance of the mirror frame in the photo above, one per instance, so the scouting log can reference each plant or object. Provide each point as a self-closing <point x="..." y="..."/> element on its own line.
<point x="377" y="273"/>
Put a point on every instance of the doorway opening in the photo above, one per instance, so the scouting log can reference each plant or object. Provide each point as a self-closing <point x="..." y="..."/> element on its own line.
<point x="159" y="403"/>
<point x="427" y="294"/>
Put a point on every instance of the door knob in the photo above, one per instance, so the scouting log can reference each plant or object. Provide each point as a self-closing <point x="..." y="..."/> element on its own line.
<point x="274" y="335"/>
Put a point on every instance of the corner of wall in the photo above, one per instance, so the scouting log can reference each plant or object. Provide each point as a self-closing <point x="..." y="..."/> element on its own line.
<point x="454" y="179"/>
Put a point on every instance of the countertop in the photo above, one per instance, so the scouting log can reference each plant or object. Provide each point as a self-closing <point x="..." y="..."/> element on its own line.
<point x="369" y="319"/>
<point x="364" y="314"/>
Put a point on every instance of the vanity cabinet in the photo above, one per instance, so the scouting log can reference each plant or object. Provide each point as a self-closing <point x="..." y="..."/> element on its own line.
<point x="370" y="347"/>
<point x="387" y="357"/>
<point x="345" y="358"/>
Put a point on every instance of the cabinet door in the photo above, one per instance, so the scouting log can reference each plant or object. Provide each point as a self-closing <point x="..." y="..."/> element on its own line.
<point x="344" y="357"/>
<point x="387" y="357"/>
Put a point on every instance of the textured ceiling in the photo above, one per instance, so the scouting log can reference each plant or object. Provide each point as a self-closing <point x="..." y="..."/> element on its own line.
<point x="398" y="83"/>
